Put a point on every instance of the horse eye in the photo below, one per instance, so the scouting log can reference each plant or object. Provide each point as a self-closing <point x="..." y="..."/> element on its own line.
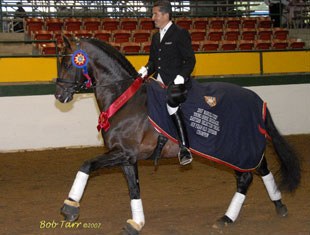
<point x="67" y="66"/>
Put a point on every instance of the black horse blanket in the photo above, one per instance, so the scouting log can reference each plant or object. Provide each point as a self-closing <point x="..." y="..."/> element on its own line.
<point x="225" y="122"/>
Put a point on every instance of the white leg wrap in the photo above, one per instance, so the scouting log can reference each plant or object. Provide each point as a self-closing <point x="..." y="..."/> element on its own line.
<point x="78" y="186"/>
<point x="137" y="212"/>
<point x="235" y="206"/>
<point x="271" y="187"/>
<point x="172" y="110"/>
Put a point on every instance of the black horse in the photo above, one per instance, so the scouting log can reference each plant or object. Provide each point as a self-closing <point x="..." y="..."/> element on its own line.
<point x="130" y="136"/>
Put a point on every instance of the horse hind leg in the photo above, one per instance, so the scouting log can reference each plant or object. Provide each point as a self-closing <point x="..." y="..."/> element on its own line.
<point x="244" y="179"/>
<point x="272" y="188"/>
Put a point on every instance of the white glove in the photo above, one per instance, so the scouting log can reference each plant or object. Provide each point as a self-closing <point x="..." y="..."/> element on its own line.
<point x="178" y="80"/>
<point x="143" y="71"/>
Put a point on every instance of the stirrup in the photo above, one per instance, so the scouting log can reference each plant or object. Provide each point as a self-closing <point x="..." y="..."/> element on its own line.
<point x="185" y="156"/>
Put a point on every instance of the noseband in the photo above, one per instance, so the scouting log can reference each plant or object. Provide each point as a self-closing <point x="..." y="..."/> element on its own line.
<point x="75" y="88"/>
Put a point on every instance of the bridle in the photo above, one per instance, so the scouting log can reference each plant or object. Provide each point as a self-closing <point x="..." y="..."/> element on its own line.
<point x="78" y="85"/>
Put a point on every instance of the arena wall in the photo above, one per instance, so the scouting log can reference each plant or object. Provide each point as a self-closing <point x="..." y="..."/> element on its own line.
<point x="39" y="122"/>
<point x="31" y="118"/>
<point x="44" y="69"/>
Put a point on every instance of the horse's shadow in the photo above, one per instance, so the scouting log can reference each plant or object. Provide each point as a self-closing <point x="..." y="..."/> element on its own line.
<point x="66" y="107"/>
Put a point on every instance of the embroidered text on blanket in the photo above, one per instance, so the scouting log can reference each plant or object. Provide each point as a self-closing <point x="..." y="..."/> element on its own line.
<point x="205" y="123"/>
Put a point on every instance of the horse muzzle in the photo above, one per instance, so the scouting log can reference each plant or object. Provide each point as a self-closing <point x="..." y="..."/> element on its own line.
<point x="65" y="90"/>
<point x="63" y="95"/>
<point x="64" y="98"/>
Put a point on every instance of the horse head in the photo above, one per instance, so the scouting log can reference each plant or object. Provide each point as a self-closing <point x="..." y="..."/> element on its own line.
<point x="70" y="79"/>
<point x="90" y="63"/>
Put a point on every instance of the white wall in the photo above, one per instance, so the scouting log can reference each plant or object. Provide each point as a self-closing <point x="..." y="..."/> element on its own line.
<point x="289" y="106"/>
<point x="38" y="122"/>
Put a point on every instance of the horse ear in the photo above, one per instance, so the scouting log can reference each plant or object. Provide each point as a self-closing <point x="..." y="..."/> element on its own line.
<point x="67" y="42"/>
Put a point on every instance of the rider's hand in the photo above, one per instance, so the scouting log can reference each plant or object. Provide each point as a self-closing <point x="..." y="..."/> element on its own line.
<point x="179" y="80"/>
<point x="142" y="72"/>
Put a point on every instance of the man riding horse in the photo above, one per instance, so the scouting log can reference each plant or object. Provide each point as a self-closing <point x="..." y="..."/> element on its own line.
<point x="172" y="61"/>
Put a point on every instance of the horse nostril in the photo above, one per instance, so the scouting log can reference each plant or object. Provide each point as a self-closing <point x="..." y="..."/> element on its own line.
<point x="59" y="97"/>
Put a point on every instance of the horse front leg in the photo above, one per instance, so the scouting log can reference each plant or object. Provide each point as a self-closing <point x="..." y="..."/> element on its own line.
<point x="135" y="224"/>
<point x="71" y="208"/>
<point x="244" y="180"/>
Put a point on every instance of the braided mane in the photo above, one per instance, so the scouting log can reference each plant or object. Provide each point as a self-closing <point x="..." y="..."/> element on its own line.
<point x="121" y="59"/>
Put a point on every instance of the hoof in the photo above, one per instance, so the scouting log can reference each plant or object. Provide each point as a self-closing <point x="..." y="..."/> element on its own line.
<point x="129" y="230"/>
<point x="222" y="222"/>
<point x="70" y="210"/>
<point x="282" y="210"/>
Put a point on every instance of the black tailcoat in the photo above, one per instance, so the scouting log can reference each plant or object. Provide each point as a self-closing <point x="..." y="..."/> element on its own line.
<point x="172" y="56"/>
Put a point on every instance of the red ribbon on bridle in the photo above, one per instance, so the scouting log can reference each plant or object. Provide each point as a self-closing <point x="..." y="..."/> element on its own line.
<point x="89" y="82"/>
<point x="103" y="121"/>
<point x="80" y="60"/>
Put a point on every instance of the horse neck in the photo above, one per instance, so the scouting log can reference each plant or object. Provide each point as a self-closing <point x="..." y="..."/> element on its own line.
<point x="131" y="116"/>
<point x="107" y="93"/>
<point x="111" y="80"/>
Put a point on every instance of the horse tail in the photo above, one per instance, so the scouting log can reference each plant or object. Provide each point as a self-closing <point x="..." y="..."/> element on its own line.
<point x="290" y="170"/>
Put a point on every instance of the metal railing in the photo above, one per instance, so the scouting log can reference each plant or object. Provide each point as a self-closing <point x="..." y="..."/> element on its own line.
<point x="92" y="8"/>
<point x="26" y="48"/>
<point x="295" y="15"/>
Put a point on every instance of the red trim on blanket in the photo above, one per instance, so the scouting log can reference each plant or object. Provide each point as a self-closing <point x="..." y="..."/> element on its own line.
<point x="264" y="111"/>
<point x="200" y="153"/>
<point x="262" y="130"/>
<point x="223" y="162"/>
<point x="162" y="131"/>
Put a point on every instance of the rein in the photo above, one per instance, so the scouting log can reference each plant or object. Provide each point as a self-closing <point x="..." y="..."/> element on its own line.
<point x="80" y="60"/>
<point x="77" y="86"/>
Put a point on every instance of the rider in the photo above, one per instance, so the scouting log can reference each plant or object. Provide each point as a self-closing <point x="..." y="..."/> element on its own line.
<point x="172" y="61"/>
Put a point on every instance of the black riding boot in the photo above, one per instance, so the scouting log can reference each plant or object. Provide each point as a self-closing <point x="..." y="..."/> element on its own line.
<point x="185" y="156"/>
